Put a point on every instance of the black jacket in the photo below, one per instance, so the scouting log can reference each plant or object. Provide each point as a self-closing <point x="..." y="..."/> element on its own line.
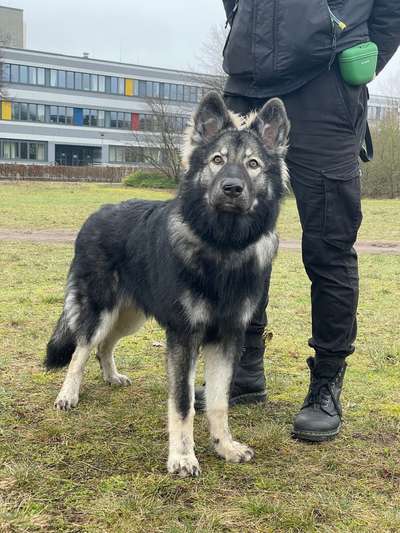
<point x="276" y="46"/>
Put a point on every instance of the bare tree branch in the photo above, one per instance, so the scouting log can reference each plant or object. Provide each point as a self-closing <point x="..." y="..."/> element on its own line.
<point x="209" y="60"/>
<point x="162" y="139"/>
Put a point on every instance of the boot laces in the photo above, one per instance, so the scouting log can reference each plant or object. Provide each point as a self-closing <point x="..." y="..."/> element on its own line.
<point x="321" y="390"/>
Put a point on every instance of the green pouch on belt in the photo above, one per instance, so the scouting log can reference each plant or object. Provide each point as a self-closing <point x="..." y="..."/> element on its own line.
<point x="358" y="63"/>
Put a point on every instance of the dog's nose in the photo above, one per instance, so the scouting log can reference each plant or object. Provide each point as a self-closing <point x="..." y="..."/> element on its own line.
<point x="232" y="187"/>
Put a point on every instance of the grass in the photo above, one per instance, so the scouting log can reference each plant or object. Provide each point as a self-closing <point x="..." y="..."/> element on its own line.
<point x="56" y="205"/>
<point x="101" y="467"/>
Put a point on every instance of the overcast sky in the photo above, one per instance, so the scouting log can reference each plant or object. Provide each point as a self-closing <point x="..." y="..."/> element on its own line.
<point x="165" y="33"/>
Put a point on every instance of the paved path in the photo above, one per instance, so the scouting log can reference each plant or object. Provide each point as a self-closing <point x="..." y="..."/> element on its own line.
<point x="65" y="236"/>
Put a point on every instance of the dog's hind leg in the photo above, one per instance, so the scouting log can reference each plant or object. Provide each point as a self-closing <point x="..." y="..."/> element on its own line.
<point x="68" y="396"/>
<point x="129" y="320"/>
<point x="219" y="363"/>
<point x="182" y="356"/>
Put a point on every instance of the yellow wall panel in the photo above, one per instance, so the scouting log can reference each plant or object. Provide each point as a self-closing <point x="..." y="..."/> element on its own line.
<point x="129" y="86"/>
<point x="6" y="110"/>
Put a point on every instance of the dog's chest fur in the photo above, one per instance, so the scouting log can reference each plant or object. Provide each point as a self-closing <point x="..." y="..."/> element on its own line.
<point x="220" y="285"/>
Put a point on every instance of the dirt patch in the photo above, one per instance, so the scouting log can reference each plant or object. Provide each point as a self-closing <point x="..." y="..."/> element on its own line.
<point x="65" y="236"/>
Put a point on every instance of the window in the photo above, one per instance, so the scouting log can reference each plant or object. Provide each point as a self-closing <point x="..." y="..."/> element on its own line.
<point x="166" y="91"/>
<point x="15" y="111"/>
<point x="113" y="116"/>
<point x="32" y="112"/>
<point x="10" y="150"/>
<point x="78" y="81"/>
<point x="101" y="119"/>
<point x="61" y="112"/>
<point x="121" y="86"/>
<point x="22" y="150"/>
<point x="86" y="82"/>
<point x="33" y="151"/>
<point x="94" y="84"/>
<point x="173" y="92"/>
<point x="14" y="73"/>
<point x="6" y="77"/>
<point x="24" y="111"/>
<point x="156" y="89"/>
<point x="186" y="93"/>
<point x="23" y="74"/>
<point x="53" y="114"/>
<point x="53" y="78"/>
<point x="149" y="89"/>
<point x="142" y="88"/>
<point x="32" y="75"/>
<point x="86" y="117"/>
<point x="41" y="117"/>
<point x="62" y="79"/>
<point x="70" y="80"/>
<point x="193" y="94"/>
<point x="179" y="92"/>
<point x="69" y="115"/>
<point x="114" y="85"/>
<point x="102" y="84"/>
<point x="120" y="119"/>
<point x="40" y="76"/>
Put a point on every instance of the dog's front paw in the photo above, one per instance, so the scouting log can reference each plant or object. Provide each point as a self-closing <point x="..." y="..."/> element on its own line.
<point x="234" y="452"/>
<point x="118" y="379"/>
<point x="66" y="401"/>
<point x="183" y="465"/>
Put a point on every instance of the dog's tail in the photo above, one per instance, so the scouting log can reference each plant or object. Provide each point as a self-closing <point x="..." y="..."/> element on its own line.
<point x="61" y="345"/>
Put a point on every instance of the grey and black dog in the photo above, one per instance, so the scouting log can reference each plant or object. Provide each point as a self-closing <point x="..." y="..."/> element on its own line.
<point x="196" y="263"/>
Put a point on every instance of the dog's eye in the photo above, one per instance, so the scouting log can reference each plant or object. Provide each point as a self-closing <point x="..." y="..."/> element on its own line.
<point x="218" y="160"/>
<point x="253" y="163"/>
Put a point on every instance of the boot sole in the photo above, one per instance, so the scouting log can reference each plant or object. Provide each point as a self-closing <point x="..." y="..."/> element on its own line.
<point x="311" y="436"/>
<point x="244" y="399"/>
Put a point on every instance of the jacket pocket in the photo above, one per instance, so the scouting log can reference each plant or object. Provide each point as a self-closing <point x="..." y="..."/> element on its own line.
<point x="303" y="35"/>
<point x="342" y="209"/>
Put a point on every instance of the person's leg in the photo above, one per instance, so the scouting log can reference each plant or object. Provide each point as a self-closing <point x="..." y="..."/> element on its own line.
<point x="328" y="123"/>
<point x="248" y="384"/>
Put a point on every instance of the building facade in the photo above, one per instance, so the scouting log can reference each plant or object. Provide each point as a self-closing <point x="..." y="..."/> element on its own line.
<point x="58" y="109"/>
<point x="66" y="110"/>
<point x="12" y="27"/>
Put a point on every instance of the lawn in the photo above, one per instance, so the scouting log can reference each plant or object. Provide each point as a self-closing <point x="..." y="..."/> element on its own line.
<point x="101" y="467"/>
<point x="53" y="205"/>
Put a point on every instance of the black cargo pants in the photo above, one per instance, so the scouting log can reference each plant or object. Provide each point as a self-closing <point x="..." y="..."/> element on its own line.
<point x="328" y="121"/>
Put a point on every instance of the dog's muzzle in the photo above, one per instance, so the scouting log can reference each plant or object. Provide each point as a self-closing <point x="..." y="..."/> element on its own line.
<point x="231" y="196"/>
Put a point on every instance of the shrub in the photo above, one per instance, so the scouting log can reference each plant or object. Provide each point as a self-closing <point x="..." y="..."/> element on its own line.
<point x="149" y="178"/>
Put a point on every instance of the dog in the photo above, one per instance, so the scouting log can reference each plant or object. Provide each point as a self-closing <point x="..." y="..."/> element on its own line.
<point x="196" y="263"/>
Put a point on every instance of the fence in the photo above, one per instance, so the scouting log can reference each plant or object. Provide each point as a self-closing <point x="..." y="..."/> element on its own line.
<point x="61" y="173"/>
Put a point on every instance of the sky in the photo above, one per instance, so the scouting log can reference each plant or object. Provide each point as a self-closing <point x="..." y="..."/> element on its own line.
<point x="164" y="33"/>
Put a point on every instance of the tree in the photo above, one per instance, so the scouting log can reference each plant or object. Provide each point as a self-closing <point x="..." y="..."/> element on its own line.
<point x="209" y="60"/>
<point x="381" y="176"/>
<point x="160" y="141"/>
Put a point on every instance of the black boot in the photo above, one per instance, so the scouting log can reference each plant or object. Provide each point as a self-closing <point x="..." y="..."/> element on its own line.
<point x="320" y="417"/>
<point x="248" y="385"/>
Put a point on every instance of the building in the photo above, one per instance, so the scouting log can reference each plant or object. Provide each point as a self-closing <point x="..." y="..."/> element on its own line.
<point x="12" y="27"/>
<point x="380" y="106"/>
<point x="76" y="110"/>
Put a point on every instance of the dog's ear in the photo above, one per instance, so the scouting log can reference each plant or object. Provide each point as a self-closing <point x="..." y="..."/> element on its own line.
<point x="210" y="119"/>
<point x="272" y="125"/>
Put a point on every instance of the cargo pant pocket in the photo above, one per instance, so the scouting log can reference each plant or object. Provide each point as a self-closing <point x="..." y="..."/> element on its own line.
<point x="342" y="210"/>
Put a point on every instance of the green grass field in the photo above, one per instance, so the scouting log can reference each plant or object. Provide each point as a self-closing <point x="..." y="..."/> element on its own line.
<point x="52" y="205"/>
<point x="101" y="467"/>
